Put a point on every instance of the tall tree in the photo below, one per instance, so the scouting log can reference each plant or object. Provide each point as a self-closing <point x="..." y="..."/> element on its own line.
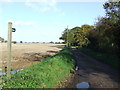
<point x="112" y="10"/>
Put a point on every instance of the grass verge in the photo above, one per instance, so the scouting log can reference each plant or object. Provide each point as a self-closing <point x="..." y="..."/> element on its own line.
<point x="109" y="59"/>
<point x="45" y="74"/>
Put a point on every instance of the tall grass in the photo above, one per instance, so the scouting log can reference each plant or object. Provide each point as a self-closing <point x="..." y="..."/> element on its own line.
<point x="45" y="74"/>
<point x="109" y="59"/>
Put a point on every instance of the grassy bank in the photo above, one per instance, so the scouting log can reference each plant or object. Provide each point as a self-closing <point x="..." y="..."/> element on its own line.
<point x="45" y="74"/>
<point x="109" y="59"/>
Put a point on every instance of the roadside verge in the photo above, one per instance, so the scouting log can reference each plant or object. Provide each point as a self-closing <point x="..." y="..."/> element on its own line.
<point x="110" y="59"/>
<point x="45" y="74"/>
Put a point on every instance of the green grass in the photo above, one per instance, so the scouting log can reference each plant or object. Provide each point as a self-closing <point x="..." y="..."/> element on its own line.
<point x="109" y="59"/>
<point x="45" y="74"/>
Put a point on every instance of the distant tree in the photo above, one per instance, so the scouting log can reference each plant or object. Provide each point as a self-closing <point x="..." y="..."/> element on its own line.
<point x="14" y="42"/>
<point x="81" y="38"/>
<point x="51" y="42"/>
<point x="77" y="35"/>
<point x="63" y="42"/>
<point x="5" y="41"/>
<point x="68" y="36"/>
<point x="64" y="36"/>
<point x="21" y="41"/>
<point x="57" y="42"/>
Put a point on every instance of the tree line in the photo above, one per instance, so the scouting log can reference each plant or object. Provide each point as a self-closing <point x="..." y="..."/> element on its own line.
<point x="103" y="36"/>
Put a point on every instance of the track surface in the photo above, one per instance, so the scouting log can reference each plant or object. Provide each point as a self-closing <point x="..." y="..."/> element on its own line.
<point x="98" y="75"/>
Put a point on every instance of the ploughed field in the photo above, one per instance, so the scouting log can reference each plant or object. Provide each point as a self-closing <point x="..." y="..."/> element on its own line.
<point x="25" y="54"/>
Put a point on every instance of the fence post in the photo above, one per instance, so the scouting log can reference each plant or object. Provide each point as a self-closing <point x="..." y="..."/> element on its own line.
<point x="9" y="49"/>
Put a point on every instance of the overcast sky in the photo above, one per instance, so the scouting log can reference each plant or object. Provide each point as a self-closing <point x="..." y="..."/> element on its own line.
<point x="45" y="20"/>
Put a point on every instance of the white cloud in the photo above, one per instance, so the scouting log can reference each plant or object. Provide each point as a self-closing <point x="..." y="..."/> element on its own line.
<point x="0" y="16"/>
<point x="22" y="23"/>
<point x="6" y="0"/>
<point x="81" y="0"/>
<point x="42" y="5"/>
<point x="57" y="0"/>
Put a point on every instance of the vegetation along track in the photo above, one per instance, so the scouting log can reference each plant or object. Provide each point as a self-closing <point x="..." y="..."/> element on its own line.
<point x="99" y="75"/>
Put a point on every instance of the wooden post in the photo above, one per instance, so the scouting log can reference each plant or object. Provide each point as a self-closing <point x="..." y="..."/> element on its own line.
<point x="67" y="37"/>
<point x="9" y="49"/>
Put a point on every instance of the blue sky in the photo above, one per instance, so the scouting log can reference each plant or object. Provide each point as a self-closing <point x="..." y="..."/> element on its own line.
<point x="45" y="21"/>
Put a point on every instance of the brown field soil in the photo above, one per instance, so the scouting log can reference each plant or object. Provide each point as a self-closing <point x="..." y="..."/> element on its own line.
<point x="24" y="55"/>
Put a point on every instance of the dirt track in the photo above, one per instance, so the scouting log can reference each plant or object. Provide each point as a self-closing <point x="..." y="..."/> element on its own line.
<point x="97" y="74"/>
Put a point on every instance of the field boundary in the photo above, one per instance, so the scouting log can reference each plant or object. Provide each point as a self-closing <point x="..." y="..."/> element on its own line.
<point x="45" y="74"/>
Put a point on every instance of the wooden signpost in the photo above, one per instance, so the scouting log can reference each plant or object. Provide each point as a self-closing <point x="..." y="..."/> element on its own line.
<point x="9" y="48"/>
<point x="10" y="30"/>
